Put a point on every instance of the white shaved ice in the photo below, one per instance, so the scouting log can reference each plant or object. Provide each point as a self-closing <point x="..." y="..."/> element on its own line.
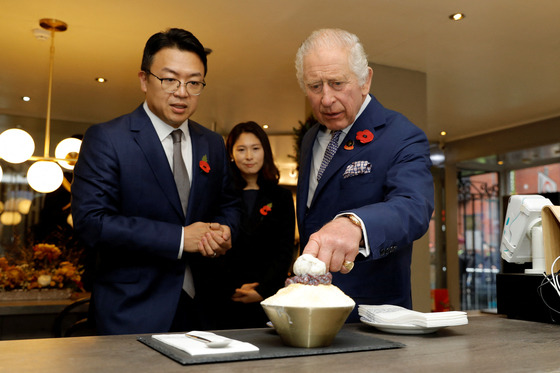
<point x="308" y="264"/>
<point x="300" y="295"/>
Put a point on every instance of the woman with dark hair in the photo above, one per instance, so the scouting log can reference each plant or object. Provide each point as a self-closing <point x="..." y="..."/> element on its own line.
<point x="261" y="255"/>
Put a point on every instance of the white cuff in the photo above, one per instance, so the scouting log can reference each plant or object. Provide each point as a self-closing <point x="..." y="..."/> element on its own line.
<point x="182" y="245"/>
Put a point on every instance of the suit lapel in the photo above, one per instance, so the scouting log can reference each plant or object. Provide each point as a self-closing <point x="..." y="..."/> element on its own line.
<point x="200" y="148"/>
<point x="305" y="169"/>
<point x="367" y="121"/>
<point x="147" y="139"/>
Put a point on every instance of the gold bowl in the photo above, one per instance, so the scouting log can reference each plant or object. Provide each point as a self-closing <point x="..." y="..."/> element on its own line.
<point x="307" y="326"/>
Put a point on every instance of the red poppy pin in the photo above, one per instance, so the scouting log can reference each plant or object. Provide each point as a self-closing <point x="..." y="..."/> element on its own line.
<point x="203" y="164"/>
<point x="266" y="209"/>
<point x="364" y="136"/>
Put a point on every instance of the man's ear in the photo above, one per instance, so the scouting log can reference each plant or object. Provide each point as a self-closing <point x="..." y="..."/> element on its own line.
<point x="367" y="85"/>
<point x="143" y="81"/>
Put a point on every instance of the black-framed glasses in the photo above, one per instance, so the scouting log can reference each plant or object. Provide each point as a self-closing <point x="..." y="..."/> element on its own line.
<point x="171" y="85"/>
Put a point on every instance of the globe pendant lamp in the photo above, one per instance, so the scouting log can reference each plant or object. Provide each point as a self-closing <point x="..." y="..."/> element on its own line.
<point x="17" y="146"/>
<point x="45" y="176"/>
<point x="68" y="149"/>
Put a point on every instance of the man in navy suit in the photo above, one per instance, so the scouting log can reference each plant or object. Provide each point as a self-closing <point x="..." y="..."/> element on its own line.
<point x="151" y="256"/>
<point x="362" y="210"/>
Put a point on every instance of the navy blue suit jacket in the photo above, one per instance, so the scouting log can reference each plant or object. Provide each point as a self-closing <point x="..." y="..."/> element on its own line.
<point x="394" y="200"/>
<point x="126" y="209"/>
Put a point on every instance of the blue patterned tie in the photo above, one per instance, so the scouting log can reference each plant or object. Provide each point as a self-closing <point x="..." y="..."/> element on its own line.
<point x="329" y="152"/>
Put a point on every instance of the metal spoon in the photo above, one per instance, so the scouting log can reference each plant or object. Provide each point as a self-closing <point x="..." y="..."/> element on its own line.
<point x="210" y="343"/>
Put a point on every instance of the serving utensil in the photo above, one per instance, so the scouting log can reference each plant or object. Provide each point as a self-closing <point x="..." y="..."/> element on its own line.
<point x="210" y="343"/>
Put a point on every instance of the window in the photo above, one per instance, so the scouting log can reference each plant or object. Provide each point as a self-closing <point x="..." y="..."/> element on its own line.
<point x="479" y="239"/>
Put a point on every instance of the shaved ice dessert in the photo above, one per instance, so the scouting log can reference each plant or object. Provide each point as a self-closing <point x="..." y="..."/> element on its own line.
<point x="309" y="311"/>
<point x="310" y="287"/>
<point x="299" y="295"/>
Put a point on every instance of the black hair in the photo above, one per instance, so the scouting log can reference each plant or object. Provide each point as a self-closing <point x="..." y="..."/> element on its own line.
<point x="269" y="173"/>
<point x="172" y="38"/>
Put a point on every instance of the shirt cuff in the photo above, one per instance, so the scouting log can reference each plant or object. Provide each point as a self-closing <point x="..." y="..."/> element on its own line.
<point x="182" y="245"/>
<point x="364" y="250"/>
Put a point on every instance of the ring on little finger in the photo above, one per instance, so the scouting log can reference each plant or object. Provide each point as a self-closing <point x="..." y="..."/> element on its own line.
<point x="348" y="265"/>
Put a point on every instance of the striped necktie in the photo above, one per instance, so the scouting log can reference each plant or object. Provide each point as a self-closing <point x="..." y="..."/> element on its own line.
<point x="329" y="152"/>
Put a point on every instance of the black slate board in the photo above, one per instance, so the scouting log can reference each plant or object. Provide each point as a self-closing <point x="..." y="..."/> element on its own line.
<point x="271" y="346"/>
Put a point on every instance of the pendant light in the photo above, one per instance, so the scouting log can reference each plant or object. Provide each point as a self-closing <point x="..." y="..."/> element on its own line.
<point x="17" y="146"/>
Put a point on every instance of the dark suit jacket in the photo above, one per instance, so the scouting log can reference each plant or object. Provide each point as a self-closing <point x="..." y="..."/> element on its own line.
<point x="394" y="199"/>
<point x="126" y="208"/>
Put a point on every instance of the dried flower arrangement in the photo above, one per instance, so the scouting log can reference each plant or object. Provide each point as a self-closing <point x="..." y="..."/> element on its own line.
<point x="48" y="268"/>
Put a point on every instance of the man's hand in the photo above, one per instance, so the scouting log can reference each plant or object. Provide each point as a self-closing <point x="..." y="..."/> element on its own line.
<point x="247" y="294"/>
<point x="336" y="242"/>
<point x="217" y="241"/>
<point x="209" y="239"/>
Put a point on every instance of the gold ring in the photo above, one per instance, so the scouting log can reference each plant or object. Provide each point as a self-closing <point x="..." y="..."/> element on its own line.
<point x="348" y="265"/>
<point x="213" y="256"/>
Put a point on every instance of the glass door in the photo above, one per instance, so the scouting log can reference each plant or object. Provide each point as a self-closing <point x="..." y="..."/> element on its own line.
<point x="479" y="239"/>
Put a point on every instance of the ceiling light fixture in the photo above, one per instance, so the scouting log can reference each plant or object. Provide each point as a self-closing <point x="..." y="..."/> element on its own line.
<point x="26" y="98"/>
<point x="17" y="146"/>
<point x="101" y="80"/>
<point x="457" y="16"/>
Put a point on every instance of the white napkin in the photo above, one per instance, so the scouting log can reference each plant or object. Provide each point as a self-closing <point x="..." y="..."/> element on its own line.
<point x="396" y="315"/>
<point x="197" y="348"/>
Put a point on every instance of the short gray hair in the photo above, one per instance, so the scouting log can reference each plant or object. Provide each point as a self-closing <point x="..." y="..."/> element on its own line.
<point x="357" y="58"/>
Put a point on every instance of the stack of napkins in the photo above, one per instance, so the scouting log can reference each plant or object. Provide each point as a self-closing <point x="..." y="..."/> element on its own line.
<point x="197" y="348"/>
<point x="396" y="315"/>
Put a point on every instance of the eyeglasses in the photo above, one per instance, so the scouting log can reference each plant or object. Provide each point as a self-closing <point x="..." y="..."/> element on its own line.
<point x="171" y="85"/>
<point x="317" y="87"/>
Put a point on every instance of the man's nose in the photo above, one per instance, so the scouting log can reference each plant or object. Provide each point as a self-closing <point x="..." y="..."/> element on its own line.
<point x="181" y="91"/>
<point x="327" y="96"/>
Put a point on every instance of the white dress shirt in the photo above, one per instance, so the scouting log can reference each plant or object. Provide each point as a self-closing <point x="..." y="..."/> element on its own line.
<point x="163" y="131"/>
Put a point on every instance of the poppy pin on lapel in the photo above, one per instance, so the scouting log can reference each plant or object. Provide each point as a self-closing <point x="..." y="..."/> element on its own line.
<point x="364" y="136"/>
<point x="349" y="145"/>
<point x="203" y="164"/>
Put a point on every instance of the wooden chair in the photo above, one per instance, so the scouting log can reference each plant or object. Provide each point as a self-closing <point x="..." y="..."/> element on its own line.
<point x="73" y="320"/>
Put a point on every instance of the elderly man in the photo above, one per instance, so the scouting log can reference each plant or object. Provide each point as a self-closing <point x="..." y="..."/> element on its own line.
<point x="365" y="190"/>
